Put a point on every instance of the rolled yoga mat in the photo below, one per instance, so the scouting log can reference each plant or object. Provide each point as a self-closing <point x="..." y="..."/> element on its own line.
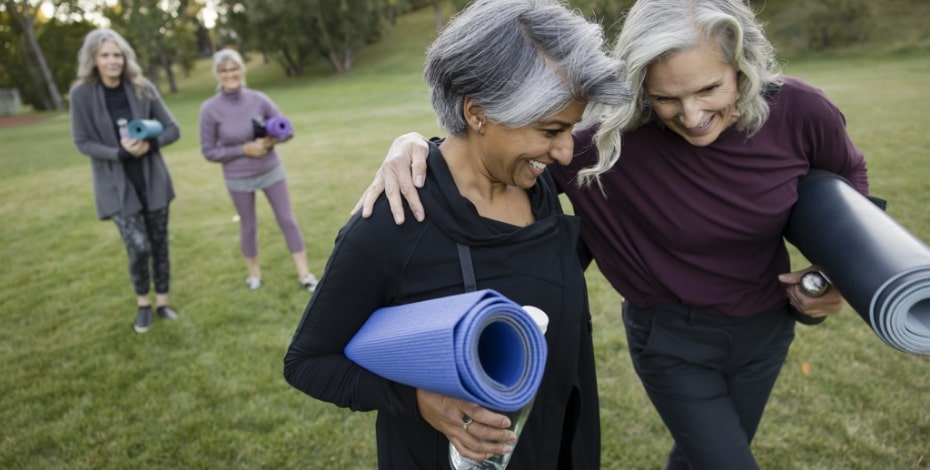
<point x="143" y="129"/>
<point x="478" y="346"/>
<point x="278" y="126"/>
<point x="880" y="268"/>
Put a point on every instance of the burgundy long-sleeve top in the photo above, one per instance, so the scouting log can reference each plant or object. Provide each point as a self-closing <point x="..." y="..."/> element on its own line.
<point x="702" y="226"/>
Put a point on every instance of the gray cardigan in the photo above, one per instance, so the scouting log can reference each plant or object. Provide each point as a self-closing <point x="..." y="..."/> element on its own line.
<point x="94" y="136"/>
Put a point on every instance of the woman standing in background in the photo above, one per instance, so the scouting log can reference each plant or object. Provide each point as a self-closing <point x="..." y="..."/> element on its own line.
<point x="132" y="186"/>
<point x="250" y="163"/>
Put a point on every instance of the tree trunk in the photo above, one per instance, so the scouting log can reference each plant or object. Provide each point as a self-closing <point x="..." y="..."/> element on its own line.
<point x="42" y="101"/>
<point x="437" y="13"/>
<point x="291" y="69"/>
<point x="169" y="74"/>
<point x="27" y="22"/>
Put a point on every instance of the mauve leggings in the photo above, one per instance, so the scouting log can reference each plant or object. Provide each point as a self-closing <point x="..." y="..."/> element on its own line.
<point x="280" y="200"/>
<point x="146" y="238"/>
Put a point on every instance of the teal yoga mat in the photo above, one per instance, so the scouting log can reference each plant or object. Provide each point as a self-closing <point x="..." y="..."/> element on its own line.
<point x="142" y="129"/>
<point x="478" y="346"/>
<point x="880" y="268"/>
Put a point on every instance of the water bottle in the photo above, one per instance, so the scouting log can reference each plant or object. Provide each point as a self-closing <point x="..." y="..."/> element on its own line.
<point x="123" y="129"/>
<point x="517" y="418"/>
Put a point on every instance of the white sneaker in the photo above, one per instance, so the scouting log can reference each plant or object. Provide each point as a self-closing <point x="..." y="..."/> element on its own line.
<point x="309" y="282"/>
<point x="253" y="282"/>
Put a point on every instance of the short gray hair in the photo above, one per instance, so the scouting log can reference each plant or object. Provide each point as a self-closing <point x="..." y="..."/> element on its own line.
<point x="228" y="55"/>
<point x="520" y="60"/>
<point x="87" y="66"/>
<point x="655" y="29"/>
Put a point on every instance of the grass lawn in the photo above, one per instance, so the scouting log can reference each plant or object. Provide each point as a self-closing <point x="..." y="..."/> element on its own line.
<point x="80" y="390"/>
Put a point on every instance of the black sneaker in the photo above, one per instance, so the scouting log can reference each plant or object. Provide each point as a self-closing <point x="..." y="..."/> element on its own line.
<point x="165" y="313"/>
<point x="143" y="319"/>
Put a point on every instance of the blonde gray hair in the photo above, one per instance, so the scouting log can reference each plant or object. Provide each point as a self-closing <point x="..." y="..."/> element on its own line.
<point x="656" y="29"/>
<point x="87" y="66"/>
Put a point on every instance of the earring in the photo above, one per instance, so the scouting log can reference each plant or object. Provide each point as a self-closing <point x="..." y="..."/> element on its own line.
<point x="480" y="124"/>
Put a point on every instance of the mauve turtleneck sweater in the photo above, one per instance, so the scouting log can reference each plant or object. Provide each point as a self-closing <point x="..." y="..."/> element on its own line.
<point x="226" y="124"/>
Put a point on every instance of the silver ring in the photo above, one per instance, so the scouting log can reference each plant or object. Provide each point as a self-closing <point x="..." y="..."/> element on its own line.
<point x="466" y="420"/>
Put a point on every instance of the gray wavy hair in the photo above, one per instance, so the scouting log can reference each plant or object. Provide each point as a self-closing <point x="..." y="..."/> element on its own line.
<point x="520" y="60"/>
<point x="87" y="68"/>
<point x="655" y="29"/>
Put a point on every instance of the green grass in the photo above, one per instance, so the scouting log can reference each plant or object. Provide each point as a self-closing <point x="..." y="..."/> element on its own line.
<point x="80" y="390"/>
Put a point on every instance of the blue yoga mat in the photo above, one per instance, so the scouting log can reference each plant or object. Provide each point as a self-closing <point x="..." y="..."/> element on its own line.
<point x="142" y="129"/>
<point x="478" y="346"/>
<point x="882" y="270"/>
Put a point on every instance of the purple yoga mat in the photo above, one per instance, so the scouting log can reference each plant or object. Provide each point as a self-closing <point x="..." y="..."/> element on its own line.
<point x="478" y="346"/>
<point x="279" y="126"/>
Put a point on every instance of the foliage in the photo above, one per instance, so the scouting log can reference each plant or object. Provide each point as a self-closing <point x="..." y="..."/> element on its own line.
<point x="299" y="33"/>
<point x="14" y="71"/>
<point x="162" y="33"/>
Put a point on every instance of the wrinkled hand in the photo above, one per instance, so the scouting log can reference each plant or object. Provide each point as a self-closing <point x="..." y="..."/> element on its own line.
<point x="445" y="415"/>
<point x="401" y="174"/>
<point x="137" y="148"/>
<point x="830" y="303"/>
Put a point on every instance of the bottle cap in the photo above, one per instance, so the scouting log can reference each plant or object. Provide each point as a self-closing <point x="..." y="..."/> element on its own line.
<point x="540" y="317"/>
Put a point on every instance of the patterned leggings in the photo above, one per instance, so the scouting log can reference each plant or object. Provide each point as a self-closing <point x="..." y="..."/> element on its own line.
<point x="146" y="237"/>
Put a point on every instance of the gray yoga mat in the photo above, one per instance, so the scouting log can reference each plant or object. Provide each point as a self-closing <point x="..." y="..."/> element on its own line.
<point x="880" y="268"/>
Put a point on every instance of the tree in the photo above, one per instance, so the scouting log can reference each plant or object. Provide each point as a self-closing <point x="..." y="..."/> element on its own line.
<point x="162" y="33"/>
<point x="298" y="33"/>
<point x="25" y="15"/>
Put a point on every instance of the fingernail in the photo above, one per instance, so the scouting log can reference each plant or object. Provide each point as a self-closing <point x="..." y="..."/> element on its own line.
<point x="419" y="215"/>
<point x="399" y="219"/>
<point x="508" y="449"/>
<point x="418" y="180"/>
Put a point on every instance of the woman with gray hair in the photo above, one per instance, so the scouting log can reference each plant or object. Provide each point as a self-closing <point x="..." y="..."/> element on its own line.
<point x="510" y="80"/>
<point x="250" y="162"/>
<point x="686" y="221"/>
<point x="132" y="186"/>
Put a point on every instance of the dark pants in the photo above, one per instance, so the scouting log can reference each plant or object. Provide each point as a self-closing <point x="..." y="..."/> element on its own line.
<point x="146" y="238"/>
<point x="708" y="377"/>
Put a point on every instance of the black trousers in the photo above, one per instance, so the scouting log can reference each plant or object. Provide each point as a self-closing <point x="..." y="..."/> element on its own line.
<point x="709" y="378"/>
<point x="146" y="238"/>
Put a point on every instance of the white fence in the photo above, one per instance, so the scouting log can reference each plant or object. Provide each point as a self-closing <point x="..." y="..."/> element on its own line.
<point x="9" y="102"/>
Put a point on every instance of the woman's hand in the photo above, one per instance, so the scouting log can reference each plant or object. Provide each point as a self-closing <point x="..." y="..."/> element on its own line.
<point x="401" y="174"/>
<point x="830" y="303"/>
<point x="137" y="148"/>
<point x="258" y="147"/>
<point x="484" y="436"/>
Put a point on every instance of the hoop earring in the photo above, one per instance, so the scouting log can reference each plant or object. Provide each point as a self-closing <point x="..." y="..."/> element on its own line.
<point x="480" y="125"/>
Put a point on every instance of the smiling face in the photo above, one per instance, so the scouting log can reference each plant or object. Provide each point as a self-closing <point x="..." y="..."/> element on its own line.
<point x="518" y="156"/>
<point x="229" y="74"/>
<point x="694" y="93"/>
<point x="109" y="61"/>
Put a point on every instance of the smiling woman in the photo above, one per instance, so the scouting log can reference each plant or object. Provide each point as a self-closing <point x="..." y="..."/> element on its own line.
<point x="250" y="162"/>
<point x="687" y="222"/>
<point x="509" y="81"/>
<point x="132" y="186"/>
